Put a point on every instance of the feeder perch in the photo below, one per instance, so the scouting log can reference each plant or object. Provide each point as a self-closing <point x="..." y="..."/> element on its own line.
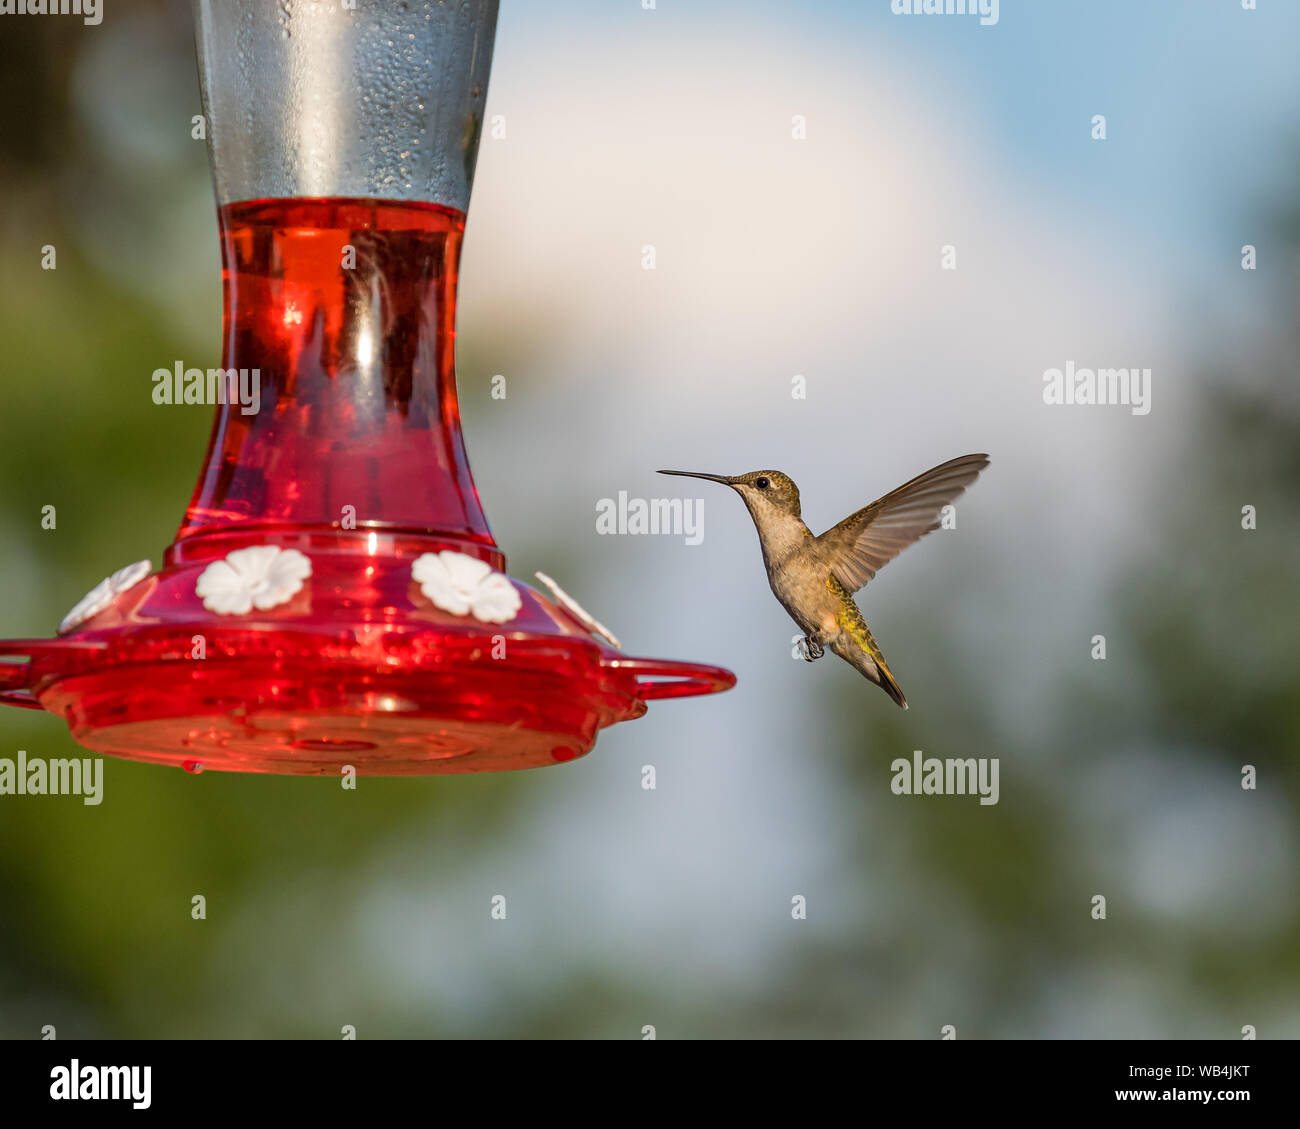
<point x="334" y="595"/>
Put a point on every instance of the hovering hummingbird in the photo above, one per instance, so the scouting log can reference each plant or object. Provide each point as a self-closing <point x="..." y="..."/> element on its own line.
<point x="815" y="577"/>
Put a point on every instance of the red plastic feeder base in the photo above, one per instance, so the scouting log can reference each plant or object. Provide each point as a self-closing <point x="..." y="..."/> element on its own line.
<point x="400" y="691"/>
<point x="334" y="596"/>
<point x="377" y="707"/>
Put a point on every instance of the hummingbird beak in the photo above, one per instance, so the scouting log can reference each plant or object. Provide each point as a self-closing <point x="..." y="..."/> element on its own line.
<point x="699" y="474"/>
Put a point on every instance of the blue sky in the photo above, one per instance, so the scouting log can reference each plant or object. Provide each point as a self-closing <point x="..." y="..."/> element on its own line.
<point x="1192" y="91"/>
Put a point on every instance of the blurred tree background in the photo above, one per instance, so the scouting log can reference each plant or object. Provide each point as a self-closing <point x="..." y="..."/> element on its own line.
<point x="328" y="907"/>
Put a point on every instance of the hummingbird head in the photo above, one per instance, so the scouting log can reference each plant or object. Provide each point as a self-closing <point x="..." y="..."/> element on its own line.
<point x="767" y="493"/>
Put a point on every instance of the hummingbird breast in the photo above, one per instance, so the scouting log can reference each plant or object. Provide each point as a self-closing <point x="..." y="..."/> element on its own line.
<point x="799" y="583"/>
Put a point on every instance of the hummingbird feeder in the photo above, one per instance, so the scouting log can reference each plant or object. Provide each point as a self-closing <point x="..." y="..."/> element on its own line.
<point x="334" y="595"/>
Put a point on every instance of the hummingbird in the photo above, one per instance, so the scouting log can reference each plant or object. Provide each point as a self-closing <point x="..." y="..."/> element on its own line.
<point x="815" y="577"/>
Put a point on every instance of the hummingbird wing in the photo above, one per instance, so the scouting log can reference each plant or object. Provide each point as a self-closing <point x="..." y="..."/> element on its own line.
<point x="864" y="542"/>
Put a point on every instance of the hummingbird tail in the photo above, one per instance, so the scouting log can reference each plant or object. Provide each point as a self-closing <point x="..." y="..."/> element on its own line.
<point x="887" y="683"/>
<point x="859" y="649"/>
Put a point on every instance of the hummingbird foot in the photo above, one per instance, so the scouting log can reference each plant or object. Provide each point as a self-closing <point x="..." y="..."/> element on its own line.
<point x="810" y="650"/>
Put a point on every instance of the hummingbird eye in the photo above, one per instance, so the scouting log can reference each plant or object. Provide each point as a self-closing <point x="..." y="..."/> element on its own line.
<point x="762" y="483"/>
